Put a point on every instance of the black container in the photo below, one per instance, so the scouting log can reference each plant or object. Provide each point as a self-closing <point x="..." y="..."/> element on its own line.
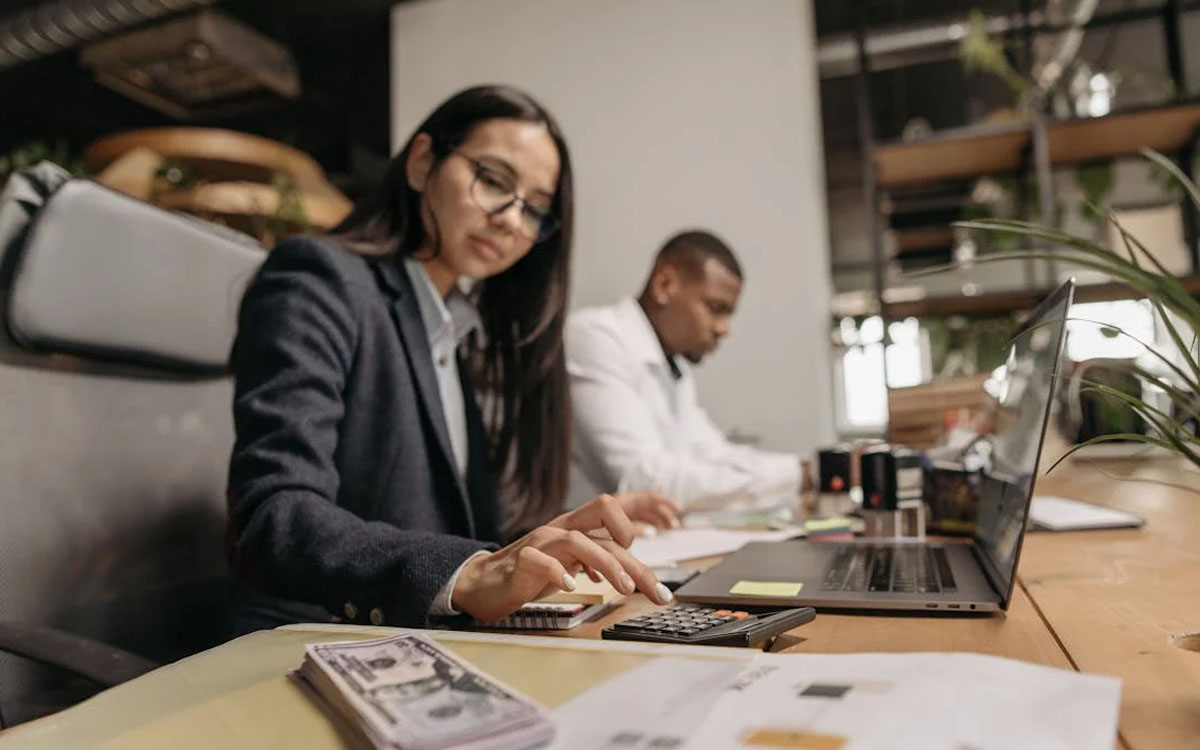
<point x="833" y="465"/>
<point x="877" y="467"/>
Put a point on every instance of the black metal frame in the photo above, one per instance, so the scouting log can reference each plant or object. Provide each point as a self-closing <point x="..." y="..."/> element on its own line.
<point x="100" y="663"/>
<point x="1169" y="14"/>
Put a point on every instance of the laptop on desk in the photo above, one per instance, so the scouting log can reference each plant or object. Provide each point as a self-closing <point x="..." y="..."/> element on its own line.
<point x="925" y="576"/>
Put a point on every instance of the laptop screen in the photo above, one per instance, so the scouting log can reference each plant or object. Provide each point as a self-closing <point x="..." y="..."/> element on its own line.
<point x="1018" y="395"/>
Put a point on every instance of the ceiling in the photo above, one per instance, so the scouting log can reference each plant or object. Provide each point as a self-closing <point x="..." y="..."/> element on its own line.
<point x="341" y="49"/>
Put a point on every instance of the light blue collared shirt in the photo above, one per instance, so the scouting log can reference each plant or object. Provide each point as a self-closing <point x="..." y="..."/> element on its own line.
<point x="447" y="322"/>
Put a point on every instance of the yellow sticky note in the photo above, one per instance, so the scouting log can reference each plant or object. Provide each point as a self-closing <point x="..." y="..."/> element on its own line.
<point x="791" y="739"/>
<point x="766" y="588"/>
<point x="823" y="524"/>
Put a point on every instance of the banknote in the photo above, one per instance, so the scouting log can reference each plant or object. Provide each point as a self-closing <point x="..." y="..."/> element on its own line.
<point x="405" y="691"/>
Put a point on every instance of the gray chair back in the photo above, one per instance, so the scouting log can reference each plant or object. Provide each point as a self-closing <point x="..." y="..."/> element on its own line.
<point x="115" y="425"/>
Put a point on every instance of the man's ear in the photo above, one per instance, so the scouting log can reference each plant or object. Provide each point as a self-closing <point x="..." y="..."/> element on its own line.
<point x="420" y="162"/>
<point x="664" y="284"/>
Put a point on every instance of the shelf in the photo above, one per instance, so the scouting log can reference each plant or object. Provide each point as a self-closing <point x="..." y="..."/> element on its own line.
<point x="1002" y="302"/>
<point x="975" y="151"/>
<point x="924" y="238"/>
<point x="959" y="153"/>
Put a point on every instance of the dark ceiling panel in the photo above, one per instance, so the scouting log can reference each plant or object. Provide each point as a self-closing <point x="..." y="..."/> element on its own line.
<point x="837" y="16"/>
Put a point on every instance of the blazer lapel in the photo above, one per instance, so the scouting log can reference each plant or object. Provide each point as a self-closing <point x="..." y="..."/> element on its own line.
<point x="480" y="485"/>
<point x="420" y="359"/>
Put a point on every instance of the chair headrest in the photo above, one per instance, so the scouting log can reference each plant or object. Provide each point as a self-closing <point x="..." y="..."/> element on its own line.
<point x="103" y="274"/>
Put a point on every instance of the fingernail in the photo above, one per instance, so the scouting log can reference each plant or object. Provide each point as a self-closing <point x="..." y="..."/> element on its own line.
<point x="663" y="594"/>
<point x="649" y="531"/>
<point x="568" y="582"/>
<point x="627" y="584"/>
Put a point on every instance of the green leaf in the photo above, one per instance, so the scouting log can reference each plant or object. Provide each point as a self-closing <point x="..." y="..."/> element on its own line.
<point x="1124" y="437"/>
<point x="1173" y="169"/>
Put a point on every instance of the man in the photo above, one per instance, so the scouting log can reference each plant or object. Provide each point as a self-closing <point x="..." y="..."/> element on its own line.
<point x="637" y="422"/>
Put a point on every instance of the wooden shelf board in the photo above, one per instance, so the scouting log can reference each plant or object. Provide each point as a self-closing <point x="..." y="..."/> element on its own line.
<point x="923" y="238"/>
<point x="1024" y="299"/>
<point x="956" y="154"/>
<point x="1163" y="129"/>
<point x="970" y="152"/>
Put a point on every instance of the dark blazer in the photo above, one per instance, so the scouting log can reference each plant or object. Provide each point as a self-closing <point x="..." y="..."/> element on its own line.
<point x="342" y="485"/>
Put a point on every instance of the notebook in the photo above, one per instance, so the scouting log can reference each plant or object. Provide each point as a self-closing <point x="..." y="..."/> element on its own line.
<point x="1063" y="514"/>
<point x="586" y="591"/>
<point x="547" y="616"/>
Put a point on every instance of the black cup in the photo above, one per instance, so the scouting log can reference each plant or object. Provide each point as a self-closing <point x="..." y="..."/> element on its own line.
<point x="833" y="464"/>
<point x="877" y="467"/>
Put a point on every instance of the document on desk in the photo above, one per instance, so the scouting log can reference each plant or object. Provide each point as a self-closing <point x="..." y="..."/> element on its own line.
<point x="1064" y="514"/>
<point x="910" y="701"/>
<point x="670" y="547"/>
<point x="844" y="702"/>
<point x="656" y="705"/>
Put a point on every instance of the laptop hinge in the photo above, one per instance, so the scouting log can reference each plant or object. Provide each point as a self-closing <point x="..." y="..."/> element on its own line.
<point x="992" y="578"/>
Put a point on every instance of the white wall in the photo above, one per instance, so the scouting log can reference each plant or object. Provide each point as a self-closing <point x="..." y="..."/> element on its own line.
<point x="678" y="113"/>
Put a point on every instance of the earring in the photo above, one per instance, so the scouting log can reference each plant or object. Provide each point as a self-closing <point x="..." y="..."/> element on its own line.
<point x="662" y="299"/>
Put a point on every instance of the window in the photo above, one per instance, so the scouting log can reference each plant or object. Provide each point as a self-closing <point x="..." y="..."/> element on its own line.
<point x="861" y="405"/>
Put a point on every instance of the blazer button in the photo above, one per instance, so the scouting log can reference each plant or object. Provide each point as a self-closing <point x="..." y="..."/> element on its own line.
<point x="376" y="616"/>
<point x="443" y="361"/>
<point x="351" y="611"/>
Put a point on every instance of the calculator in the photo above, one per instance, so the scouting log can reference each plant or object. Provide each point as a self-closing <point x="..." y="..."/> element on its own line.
<point x="697" y="624"/>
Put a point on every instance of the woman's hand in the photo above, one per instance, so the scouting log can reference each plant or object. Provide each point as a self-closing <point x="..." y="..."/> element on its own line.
<point x="492" y="586"/>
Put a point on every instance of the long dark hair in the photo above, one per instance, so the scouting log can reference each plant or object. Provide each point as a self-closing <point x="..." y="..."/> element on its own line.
<point x="520" y="369"/>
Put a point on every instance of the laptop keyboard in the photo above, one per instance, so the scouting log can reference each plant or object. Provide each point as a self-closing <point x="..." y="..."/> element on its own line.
<point x="899" y="569"/>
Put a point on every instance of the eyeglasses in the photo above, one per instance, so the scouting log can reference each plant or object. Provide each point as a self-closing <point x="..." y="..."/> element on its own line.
<point x="495" y="192"/>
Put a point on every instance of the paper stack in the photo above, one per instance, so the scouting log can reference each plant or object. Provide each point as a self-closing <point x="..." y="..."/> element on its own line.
<point x="407" y="693"/>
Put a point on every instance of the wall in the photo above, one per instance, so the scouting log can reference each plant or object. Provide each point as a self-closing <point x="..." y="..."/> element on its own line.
<point x="679" y="113"/>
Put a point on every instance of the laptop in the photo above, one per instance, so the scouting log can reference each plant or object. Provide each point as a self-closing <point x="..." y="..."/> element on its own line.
<point x="953" y="576"/>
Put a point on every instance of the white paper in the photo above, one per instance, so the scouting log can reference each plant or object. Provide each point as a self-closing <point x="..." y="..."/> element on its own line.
<point x="912" y="701"/>
<point x="656" y="705"/>
<point x="851" y="701"/>
<point x="669" y="547"/>
<point x="1064" y="514"/>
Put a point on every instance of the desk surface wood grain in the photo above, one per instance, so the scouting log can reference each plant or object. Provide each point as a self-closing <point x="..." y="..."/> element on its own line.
<point x="1117" y="599"/>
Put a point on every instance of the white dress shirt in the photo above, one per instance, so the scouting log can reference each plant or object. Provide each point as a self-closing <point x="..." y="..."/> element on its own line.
<point x="639" y="426"/>
<point x="447" y="322"/>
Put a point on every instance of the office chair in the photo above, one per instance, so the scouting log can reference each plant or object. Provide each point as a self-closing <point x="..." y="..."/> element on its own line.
<point x="115" y="432"/>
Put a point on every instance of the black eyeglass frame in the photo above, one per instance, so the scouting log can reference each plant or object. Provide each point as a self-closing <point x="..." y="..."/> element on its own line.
<point x="548" y="224"/>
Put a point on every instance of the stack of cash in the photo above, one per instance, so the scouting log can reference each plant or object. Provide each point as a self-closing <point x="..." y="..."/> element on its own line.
<point x="408" y="693"/>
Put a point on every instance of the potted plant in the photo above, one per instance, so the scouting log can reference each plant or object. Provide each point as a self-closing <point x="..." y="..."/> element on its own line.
<point x="1173" y="425"/>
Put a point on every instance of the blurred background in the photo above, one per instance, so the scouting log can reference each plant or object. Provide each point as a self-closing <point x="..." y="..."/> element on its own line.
<point x="833" y="144"/>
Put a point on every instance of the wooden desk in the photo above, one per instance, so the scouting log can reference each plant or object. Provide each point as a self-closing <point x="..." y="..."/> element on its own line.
<point x="1114" y="599"/>
<point x="1105" y="602"/>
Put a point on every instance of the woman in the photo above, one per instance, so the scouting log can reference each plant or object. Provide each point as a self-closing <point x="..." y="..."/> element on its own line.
<point x="363" y="482"/>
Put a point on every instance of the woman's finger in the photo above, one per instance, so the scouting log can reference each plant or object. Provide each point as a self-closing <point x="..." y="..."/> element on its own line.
<point x="537" y="570"/>
<point x="604" y="512"/>
<point x="575" y="546"/>
<point x="641" y="573"/>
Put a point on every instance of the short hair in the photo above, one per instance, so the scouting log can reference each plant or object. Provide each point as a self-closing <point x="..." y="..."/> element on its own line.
<point x="689" y="250"/>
